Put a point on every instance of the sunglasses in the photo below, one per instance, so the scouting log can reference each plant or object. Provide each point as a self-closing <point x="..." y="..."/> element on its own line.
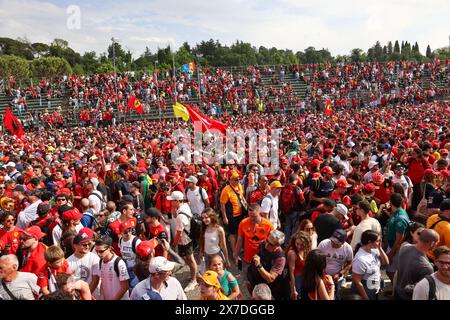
<point x="102" y="251"/>
<point x="11" y="220"/>
<point x="2" y="188"/>
<point x="309" y="229"/>
<point x="126" y="231"/>
<point x="25" y="238"/>
<point x="85" y="245"/>
<point x="271" y="244"/>
<point x="59" y="200"/>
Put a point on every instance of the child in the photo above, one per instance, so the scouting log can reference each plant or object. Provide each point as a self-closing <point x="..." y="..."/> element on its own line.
<point x="128" y="244"/>
<point x="56" y="263"/>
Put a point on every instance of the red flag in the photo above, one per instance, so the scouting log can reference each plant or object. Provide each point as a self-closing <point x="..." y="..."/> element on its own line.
<point x="11" y="122"/>
<point x="135" y="104"/>
<point x="436" y="60"/>
<point x="328" y="108"/>
<point x="207" y="123"/>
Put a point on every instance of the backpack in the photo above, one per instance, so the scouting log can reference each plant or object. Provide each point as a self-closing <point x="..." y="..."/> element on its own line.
<point x="287" y="204"/>
<point x="116" y="265"/>
<point x="102" y="200"/>
<point x="133" y="243"/>
<point x="432" y="289"/>
<point x="380" y="160"/>
<point x="196" y="226"/>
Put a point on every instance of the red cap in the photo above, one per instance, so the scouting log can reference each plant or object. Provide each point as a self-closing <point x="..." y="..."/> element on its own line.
<point x="377" y="178"/>
<point x="327" y="152"/>
<point x="171" y="175"/>
<point x="155" y="176"/>
<point x="145" y="248"/>
<point x="284" y="160"/>
<point x="142" y="170"/>
<point x="315" y="163"/>
<point x="124" y="226"/>
<point x="445" y="174"/>
<point x="369" y="187"/>
<point x="73" y="214"/>
<point x="89" y="232"/>
<point x="431" y="171"/>
<point x="342" y="183"/>
<point x="327" y="169"/>
<point x="34" y="232"/>
<point x="443" y="151"/>
<point x="66" y="191"/>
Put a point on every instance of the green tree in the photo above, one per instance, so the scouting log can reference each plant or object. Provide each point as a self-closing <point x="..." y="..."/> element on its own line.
<point x="389" y="47"/>
<point x="40" y="49"/>
<point x="428" y="53"/>
<point x="356" y="55"/>
<point x="50" y="68"/>
<point x="396" y="47"/>
<point x="13" y="66"/>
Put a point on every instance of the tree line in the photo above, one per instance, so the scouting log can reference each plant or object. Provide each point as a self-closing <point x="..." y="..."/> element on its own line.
<point x="22" y="59"/>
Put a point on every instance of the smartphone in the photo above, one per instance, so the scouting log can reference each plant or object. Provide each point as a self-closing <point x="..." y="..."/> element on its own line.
<point x="239" y="264"/>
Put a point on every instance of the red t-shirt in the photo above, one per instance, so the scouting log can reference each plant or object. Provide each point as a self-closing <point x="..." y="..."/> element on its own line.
<point x="10" y="238"/>
<point x="256" y="196"/>
<point x="36" y="260"/>
<point x="158" y="232"/>
<point x="43" y="275"/>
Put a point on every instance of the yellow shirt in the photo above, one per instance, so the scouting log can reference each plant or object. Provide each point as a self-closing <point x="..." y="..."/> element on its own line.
<point x="220" y="296"/>
<point x="443" y="228"/>
<point x="228" y="195"/>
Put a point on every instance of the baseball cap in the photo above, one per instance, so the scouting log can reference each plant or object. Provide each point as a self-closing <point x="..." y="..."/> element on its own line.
<point x="339" y="236"/>
<point x="399" y="166"/>
<point x="327" y="169"/>
<point x="369" y="187"/>
<point x="377" y="178"/>
<point x="82" y="236"/>
<point x="36" y="193"/>
<point x="315" y="163"/>
<point x="94" y="181"/>
<point x="159" y="264"/>
<point x="341" y="209"/>
<point x="203" y="172"/>
<point x="124" y="226"/>
<point x="372" y="164"/>
<point x="342" y="183"/>
<point x="34" y="232"/>
<point x="10" y="164"/>
<point x="431" y="171"/>
<point x="234" y="175"/>
<point x="72" y="214"/>
<point x="192" y="179"/>
<point x="443" y="151"/>
<point x="276" y="184"/>
<point x="176" y="195"/>
<point x="211" y="278"/>
<point x="67" y="175"/>
<point x="387" y="146"/>
<point x="145" y="248"/>
<point x="445" y="205"/>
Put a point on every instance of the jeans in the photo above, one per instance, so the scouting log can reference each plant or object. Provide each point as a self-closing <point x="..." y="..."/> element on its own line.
<point x="291" y="224"/>
<point x="337" y="288"/>
<point x="134" y="280"/>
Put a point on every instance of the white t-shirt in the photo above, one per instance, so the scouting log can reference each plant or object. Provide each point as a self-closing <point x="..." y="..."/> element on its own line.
<point x="195" y="200"/>
<point x="95" y="201"/>
<point x="84" y="268"/>
<point x="184" y="223"/>
<point x="367" y="224"/>
<point x="110" y="281"/>
<point x="368" y="265"/>
<point x="171" y="290"/>
<point x="57" y="232"/>
<point x="404" y="181"/>
<point x="126" y="248"/>
<point x="422" y="289"/>
<point x="336" y="258"/>
<point x="270" y="204"/>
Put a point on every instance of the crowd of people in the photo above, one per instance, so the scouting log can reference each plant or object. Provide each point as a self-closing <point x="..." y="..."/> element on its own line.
<point x="107" y="213"/>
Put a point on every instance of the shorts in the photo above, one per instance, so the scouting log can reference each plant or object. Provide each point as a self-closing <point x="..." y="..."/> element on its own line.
<point x="185" y="250"/>
<point x="233" y="224"/>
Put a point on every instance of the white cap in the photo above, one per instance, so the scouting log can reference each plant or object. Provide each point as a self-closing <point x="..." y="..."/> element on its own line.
<point x="159" y="264"/>
<point x="176" y="195"/>
<point x="192" y="179"/>
<point x="342" y="209"/>
<point x="372" y="164"/>
<point x="11" y="164"/>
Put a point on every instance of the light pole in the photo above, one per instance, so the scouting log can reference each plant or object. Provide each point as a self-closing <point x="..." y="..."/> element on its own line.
<point x="115" y="73"/>
<point x="157" y="90"/>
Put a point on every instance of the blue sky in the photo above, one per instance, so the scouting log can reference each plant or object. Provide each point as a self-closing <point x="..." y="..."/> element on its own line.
<point x="293" y="24"/>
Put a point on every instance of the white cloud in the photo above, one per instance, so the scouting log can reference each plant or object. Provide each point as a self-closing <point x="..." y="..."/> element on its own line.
<point x="292" y="24"/>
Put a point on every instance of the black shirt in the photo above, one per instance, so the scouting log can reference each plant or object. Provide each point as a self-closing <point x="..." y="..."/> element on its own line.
<point x="325" y="224"/>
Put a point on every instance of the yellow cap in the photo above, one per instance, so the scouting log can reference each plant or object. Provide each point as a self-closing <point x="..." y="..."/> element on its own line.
<point x="211" y="278"/>
<point x="276" y="184"/>
<point x="234" y="175"/>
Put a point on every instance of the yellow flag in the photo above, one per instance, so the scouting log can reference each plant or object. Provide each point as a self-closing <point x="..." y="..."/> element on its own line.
<point x="180" y="111"/>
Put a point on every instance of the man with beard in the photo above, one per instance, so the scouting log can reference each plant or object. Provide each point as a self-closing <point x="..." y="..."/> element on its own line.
<point x="31" y="251"/>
